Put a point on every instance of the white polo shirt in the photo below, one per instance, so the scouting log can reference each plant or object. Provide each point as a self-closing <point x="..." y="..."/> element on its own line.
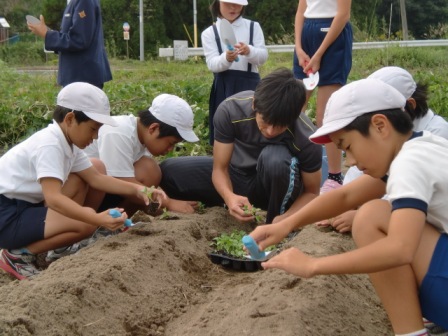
<point x="118" y="147"/>
<point x="418" y="178"/>
<point x="433" y="123"/>
<point x="320" y="9"/>
<point x="44" y="154"/>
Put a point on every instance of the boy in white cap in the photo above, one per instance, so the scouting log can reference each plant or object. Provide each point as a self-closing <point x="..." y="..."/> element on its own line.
<point x="423" y="118"/>
<point x="45" y="180"/>
<point x="402" y="240"/>
<point x="127" y="150"/>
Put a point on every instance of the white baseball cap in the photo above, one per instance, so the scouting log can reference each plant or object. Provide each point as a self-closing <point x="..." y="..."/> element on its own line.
<point x="398" y="78"/>
<point x="87" y="98"/>
<point x="238" y="2"/>
<point x="175" y="112"/>
<point x="353" y="100"/>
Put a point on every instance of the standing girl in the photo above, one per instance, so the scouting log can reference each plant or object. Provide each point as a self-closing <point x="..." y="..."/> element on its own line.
<point x="237" y="70"/>
<point x="323" y="41"/>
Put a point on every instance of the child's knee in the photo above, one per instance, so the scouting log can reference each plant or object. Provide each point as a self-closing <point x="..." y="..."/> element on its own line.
<point x="86" y="231"/>
<point x="148" y="172"/>
<point x="370" y="219"/>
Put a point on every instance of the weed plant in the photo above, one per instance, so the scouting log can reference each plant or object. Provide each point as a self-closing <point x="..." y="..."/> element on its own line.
<point x="28" y="99"/>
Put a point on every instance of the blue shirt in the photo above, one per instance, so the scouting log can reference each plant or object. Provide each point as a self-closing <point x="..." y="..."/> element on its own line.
<point x="80" y="45"/>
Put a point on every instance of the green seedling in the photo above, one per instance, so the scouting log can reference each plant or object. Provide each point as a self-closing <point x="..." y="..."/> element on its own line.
<point x="200" y="208"/>
<point x="149" y="191"/>
<point x="231" y="244"/>
<point x="166" y="215"/>
<point x="153" y="205"/>
<point x="254" y="212"/>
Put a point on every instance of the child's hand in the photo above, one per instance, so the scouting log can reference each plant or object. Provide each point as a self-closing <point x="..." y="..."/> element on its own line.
<point x="158" y="195"/>
<point x="269" y="234"/>
<point x="292" y="261"/>
<point x="243" y="49"/>
<point x="343" y="223"/>
<point x="112" y="223"/>
<point x="231" y="55"/>
<point x="187" y="207"/>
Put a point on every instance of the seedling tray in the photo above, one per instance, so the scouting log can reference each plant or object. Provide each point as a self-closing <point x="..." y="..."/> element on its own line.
<point x="236" y="264"/>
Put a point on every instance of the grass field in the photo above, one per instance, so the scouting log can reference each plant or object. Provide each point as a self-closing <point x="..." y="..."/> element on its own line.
<point x="28" y="98"/>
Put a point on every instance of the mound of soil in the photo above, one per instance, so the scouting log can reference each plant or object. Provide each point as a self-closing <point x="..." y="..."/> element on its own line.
<point x="157" y="279"/>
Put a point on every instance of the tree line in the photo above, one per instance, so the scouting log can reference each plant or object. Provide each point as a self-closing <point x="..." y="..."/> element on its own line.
<point x="168" y="20"/>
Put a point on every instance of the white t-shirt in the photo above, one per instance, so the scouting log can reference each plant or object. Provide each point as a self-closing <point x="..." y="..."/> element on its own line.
<point x="418" y="178"/>
<point x="118" y="147"/>
<point x="217" y="62"/>
<point x="320" y="9"/>
<point x="44" y="154"/>
<point x="433" y="123"/>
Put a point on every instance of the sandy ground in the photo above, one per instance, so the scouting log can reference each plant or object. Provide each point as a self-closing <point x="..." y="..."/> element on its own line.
<point x="157" y="279"/>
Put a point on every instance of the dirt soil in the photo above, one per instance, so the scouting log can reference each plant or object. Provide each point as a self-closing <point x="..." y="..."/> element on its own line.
<point x="157" y="279"/>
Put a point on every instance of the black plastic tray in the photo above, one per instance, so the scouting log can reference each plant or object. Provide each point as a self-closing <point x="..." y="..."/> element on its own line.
<point x="241" y="265"/>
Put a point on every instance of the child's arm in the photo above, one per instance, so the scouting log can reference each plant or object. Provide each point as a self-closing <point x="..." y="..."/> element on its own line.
<point x="68" y="205"/>
<point x="116" y="186"/>
<point x="298" y="27"/>
<point x="397" y="247"/>
<point x="311" y="188"/>
<point x="325" y="206"/>
<point x="257" y="53"/>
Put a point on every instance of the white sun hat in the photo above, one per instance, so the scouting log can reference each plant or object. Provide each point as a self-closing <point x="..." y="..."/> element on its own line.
<point x="353" y="100"/>
<point x="87" y="98"/>
<point x="238" y="2"/>
<point x="398" y="78"/>
<point x="175" y="112"/>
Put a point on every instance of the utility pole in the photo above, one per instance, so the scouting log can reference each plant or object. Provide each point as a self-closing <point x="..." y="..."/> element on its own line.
<point x="142" y="46"/>
<point x="195" y="26"/>
<point x="404" y="20"/>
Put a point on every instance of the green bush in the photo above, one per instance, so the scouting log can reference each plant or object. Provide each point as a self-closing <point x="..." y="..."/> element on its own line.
<point x="28" y="99"/>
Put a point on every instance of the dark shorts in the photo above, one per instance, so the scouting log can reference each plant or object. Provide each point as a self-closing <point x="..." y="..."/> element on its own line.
<point x="110" y="201"/>
<point x="21" y="222"/>
<point x="434" y="288"/>
<point x="336" y="63"/>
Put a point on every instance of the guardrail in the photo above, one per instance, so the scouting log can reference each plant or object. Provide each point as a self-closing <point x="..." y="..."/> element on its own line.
<point x="169" y="52"/>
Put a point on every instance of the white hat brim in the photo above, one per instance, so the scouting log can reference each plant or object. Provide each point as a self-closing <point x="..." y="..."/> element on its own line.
<point x="321" y="136"/>
<point x="188" y="135"/>
<point x="102" y="119"/>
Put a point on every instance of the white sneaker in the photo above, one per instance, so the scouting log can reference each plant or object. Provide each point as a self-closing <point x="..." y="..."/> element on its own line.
<point x="58" y="253"/>
<point x="329" y="185"/>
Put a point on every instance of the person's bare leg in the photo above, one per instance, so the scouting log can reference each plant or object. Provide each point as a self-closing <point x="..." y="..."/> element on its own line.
<point x="95" y="197"/>
<point x="334" y="155"/>
<point x="148" y="172"/>
<point x="397" y="287"/>
<point x="60" y="230"/>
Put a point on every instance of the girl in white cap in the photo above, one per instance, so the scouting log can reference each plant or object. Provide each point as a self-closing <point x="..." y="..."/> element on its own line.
<point x="323" y="42"/>
<point x="46" y="181"/>
<point x="234" y="70"/>
<point x="402" y="239"/>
